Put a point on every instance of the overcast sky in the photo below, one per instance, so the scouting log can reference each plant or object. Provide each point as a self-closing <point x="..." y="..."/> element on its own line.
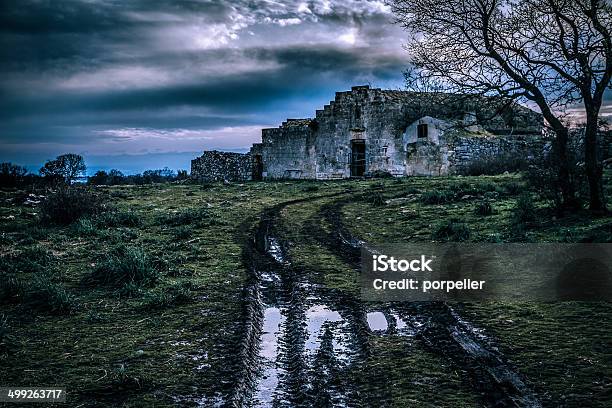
<point x="157" y="78"/>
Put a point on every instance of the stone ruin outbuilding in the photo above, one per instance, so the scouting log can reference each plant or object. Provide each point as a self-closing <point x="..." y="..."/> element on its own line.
<point x="366" y="131"/>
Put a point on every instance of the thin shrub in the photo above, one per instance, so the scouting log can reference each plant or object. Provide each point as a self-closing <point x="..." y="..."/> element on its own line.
<point x="125" y="265"/>
<point x="68" y="204"/>
<point x="451" y="230"/>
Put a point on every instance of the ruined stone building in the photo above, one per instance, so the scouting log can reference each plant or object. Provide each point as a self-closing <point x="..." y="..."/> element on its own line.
<point x="366" y="131"/>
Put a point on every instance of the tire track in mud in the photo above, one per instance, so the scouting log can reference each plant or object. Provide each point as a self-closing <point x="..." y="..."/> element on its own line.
<point x="310" y="333"/>
<point x="441" y="328"/>
<point x="280" y="303"/>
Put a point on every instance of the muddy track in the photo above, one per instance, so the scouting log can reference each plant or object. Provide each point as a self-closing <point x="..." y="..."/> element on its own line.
<point x="275" y="299"/>
<point x="314" y="336"/>
<point x="444" y="331"/>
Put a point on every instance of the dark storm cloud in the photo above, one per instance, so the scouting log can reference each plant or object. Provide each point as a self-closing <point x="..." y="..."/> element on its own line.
<point x="85" y="75"/>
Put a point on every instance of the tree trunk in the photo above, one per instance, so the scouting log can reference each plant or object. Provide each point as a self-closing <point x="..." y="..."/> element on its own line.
<point x="594" y="168"/>
<point x="568" y="194"/>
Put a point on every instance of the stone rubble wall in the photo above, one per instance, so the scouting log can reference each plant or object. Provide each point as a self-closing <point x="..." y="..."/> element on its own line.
<point x="214" y="165"/>
<point x="320" y="148"/>
<point x="466" y="150"/>
<point x="461" y="131"/>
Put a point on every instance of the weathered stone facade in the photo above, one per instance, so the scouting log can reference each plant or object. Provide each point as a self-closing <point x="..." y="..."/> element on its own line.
<point x="364" y="131"/>
<point x="219" y="166"/>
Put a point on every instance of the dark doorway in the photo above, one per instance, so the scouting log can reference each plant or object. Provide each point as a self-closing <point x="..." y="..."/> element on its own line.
<point x="257" y="168"/>
<point x="358" y="158"/>
<point x="422" y="131"/>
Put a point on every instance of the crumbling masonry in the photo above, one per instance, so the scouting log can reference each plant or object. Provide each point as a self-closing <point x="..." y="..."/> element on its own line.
<point x="367" y="131"/>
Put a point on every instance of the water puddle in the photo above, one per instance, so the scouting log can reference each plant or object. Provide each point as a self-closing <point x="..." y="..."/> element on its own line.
<point x="268" y="382"/>
<point x="316" y="317"/>
<point x="274" y="249"/>
<point x="377" y="321"/>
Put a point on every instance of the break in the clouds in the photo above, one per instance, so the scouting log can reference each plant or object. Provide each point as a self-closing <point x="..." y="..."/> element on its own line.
<point x="107" y="78"/>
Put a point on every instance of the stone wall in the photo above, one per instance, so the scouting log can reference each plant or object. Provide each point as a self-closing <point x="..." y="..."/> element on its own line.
<point x="218" y="166"/>
<point x="386" y="121"/>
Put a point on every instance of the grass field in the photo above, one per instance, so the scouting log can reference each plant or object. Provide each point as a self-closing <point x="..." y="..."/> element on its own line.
<point x="144" y="303"/>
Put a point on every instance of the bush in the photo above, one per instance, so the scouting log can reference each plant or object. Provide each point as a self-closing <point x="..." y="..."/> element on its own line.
<point x="483" y="208"/>
<point x="11" y="175"/>
<point x="451" y="230"/>
<point x="437" y="197"/>
<point x="68" y="204"/>
<point x="125" y="265"/>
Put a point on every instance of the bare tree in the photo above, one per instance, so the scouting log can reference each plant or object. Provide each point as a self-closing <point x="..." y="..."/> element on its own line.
<point x="552" y="53"/>
<point x="66" y="167"/>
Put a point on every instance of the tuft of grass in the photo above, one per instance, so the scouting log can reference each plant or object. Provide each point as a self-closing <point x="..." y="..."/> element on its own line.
<point x="377" y="200"/>
<point x="177" y="294"/>
<point x="68" y="204"/>
<point x="190" y="216"/>
<point x="524" y="210"/>
<point x="33" y="259"/>
<point x="118" y="218"/>
<point x="84" y="227"/>
<point x="183" y="232"/>
<point x="125" y="266"/>
<point x="513" y="188"/>
<point x="46" y="296"/>
<point x="451" y="230"/>
<point x="311" y="188"/>
<point x="11" y="289"/>
<point x="483" y="208"/>
<point x="5" y="331"/>
<point x="437" y="197"/>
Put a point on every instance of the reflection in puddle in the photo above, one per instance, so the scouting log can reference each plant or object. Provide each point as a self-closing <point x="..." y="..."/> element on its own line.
<point x="399" y="323"/>
<point x="273" y="320"/>
<point x="274" y="250"/>
<point x="316" y="317"/>
<point x="377" y="321"/>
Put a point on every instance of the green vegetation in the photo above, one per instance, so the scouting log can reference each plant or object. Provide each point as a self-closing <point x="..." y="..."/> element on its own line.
<point x="143" y="291"/>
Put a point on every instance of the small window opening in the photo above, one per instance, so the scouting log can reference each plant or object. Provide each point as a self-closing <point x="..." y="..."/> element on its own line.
<point x="357" y="113"/>
<point x="384" y="150"/>
<point x="422" y="131"/>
